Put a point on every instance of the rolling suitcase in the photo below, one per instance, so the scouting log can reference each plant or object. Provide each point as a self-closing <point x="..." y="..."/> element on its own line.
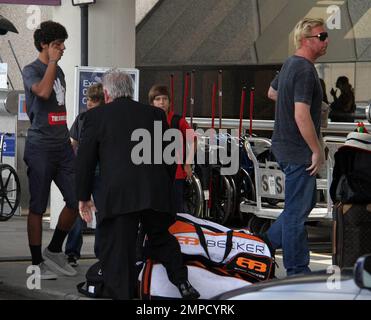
<point x="351" y="233"/>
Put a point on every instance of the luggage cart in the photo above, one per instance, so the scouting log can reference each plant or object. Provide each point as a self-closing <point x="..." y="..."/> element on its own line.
<point x="269" y="183"/>
<point x="208" y="194"/>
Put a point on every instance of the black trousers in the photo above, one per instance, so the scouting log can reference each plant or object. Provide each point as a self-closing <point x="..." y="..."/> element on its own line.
<point x="118" y="237"/>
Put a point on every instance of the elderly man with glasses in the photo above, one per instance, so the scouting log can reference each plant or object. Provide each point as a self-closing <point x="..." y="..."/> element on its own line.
<point x="295" y="141"/>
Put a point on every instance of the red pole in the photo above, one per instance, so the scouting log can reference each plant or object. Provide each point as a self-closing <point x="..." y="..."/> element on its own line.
<point x="243" y="97"/>
<point x="213" y="105"/>
<point x="252" y="96"/>
<point x="220" y="96"/>
<point x="192" y="104"/>
<point x="172" y="92"/>
<point x="185" y="98"/>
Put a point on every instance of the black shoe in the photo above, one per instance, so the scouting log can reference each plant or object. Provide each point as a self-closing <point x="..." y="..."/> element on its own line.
<point x="72" y="261"/>
<point x="187" y="291"/>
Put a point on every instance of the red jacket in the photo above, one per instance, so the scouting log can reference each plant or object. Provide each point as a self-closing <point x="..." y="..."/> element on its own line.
<point x="183" y="126"/>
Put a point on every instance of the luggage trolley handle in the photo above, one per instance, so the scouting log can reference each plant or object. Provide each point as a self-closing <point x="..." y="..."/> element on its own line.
<point x="249" y="149"/>
<point x="2" y="141"/>
<point x="247" y="144"/>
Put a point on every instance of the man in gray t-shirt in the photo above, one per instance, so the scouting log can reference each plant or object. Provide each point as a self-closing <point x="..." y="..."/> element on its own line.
<point x="48" y="151"/>
<point x="295" y="141"/>
<point x="48" y="116"/>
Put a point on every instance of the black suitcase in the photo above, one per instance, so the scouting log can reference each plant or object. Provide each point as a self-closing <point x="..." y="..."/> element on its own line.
<point x="351" y="233"/>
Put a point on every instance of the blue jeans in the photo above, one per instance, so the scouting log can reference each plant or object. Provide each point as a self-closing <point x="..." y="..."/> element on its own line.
<point x="288" y="231"/>
<point x="74" y="240"/>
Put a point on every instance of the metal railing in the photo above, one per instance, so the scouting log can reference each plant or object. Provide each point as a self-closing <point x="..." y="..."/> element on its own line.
<point x="267" y="125"/>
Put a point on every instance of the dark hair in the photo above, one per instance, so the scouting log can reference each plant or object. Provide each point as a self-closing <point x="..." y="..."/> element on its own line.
<point x="95" y="93"/>
<point x="47" y="32"/>
<point x="157" y="90"/>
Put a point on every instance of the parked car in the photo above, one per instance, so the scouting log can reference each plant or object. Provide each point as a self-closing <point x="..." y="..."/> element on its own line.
<point x="349" y="284"/>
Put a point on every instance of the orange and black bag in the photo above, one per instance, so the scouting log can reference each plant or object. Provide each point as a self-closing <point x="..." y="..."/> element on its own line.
<point x="218" y="259"/>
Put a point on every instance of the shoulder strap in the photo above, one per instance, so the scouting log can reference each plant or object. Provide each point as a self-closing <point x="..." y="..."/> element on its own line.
<point x="228" y="245"/>
<point x="201" y="237"/>
<point x="145" y="283"/>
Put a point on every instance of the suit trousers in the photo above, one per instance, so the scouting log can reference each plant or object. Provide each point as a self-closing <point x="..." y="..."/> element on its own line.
<point x="118" y="238"/>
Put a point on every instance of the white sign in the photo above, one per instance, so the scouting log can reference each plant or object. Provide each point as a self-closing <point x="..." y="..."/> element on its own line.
<point x="3" y="76"/>
<point x="272" y="183"/>
<point x="87" y="76"/>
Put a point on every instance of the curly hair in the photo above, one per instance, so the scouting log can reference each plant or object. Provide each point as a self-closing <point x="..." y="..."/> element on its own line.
<point x="47" y="32"/>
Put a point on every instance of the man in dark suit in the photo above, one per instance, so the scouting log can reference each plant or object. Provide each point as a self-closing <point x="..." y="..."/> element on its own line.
<point x="131" y="192"/>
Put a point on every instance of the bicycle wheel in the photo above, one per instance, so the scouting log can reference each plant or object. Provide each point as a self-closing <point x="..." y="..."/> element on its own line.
<point x="232" y="215"/>
<point x="10" y="191"/>
<point x="221" y="198"/>
<point x="246" y="191"/>
<point x="256" y="224"/>
<point x="193" y="197"/>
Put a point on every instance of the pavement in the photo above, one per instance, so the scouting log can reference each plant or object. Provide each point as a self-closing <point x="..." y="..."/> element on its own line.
<point x="15" y="259"/>
<point x="16" y="284"/>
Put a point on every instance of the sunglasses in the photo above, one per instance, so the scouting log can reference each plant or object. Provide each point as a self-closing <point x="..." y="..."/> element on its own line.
<point x="321" y="36"/>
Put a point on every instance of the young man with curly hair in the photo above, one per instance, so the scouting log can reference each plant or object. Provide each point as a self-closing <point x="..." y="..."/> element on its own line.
<point x="48" y="151"/>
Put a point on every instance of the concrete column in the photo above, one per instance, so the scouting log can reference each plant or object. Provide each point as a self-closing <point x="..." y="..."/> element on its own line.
<point x="111" y="44"/>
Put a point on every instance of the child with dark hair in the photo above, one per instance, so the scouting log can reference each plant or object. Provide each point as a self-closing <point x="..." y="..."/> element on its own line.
<point x="95" y="98"/>
<point x="159" y="97"/>
<point x="48" y="152"/>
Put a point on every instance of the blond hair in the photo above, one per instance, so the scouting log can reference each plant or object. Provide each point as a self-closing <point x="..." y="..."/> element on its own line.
<point x="304" y="29"/>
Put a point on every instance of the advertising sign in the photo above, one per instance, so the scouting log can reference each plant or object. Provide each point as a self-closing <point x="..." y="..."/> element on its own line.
<point x="22" y="114"/>
<point x="87" y="76"/>
<point x="9" y="145"/>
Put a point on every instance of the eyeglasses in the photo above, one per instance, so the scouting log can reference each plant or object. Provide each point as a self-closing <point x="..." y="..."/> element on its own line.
<point x="321" y="36"/>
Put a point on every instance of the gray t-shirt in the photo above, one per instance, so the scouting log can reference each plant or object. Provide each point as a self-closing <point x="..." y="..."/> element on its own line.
<point x="297" y="82"/>
<point x="48" y="117"/>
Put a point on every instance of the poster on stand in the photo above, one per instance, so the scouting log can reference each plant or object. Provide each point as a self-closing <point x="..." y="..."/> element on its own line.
<point x="87" y="76"/>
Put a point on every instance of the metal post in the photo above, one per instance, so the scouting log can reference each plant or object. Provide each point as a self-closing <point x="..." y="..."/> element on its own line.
<point x="84" y="35"/>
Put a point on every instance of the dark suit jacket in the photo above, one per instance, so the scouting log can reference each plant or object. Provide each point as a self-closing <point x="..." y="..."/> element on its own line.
<point x="127" y="187"/>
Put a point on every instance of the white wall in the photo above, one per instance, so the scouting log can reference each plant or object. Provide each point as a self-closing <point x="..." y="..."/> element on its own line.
<point x="69" y="16"/>
<point x="112" y="34"/>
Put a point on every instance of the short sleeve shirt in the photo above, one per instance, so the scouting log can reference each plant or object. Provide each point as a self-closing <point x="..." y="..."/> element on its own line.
<point x="48" y="117"/>
<point x="297" y="81"/>
<point x="75" y="131"/>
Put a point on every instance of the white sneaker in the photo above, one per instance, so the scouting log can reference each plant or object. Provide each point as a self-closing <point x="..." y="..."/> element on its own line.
<point x="45" y="273"/>
<point x="57" y="261"/>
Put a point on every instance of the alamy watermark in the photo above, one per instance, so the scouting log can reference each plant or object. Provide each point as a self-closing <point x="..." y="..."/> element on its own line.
<point x="34" y="18"/>
<point x="34" y="280"/>
<point x="168" y="147"/>
<point x="334" y="280"/>
<point x="334" y="19"/>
